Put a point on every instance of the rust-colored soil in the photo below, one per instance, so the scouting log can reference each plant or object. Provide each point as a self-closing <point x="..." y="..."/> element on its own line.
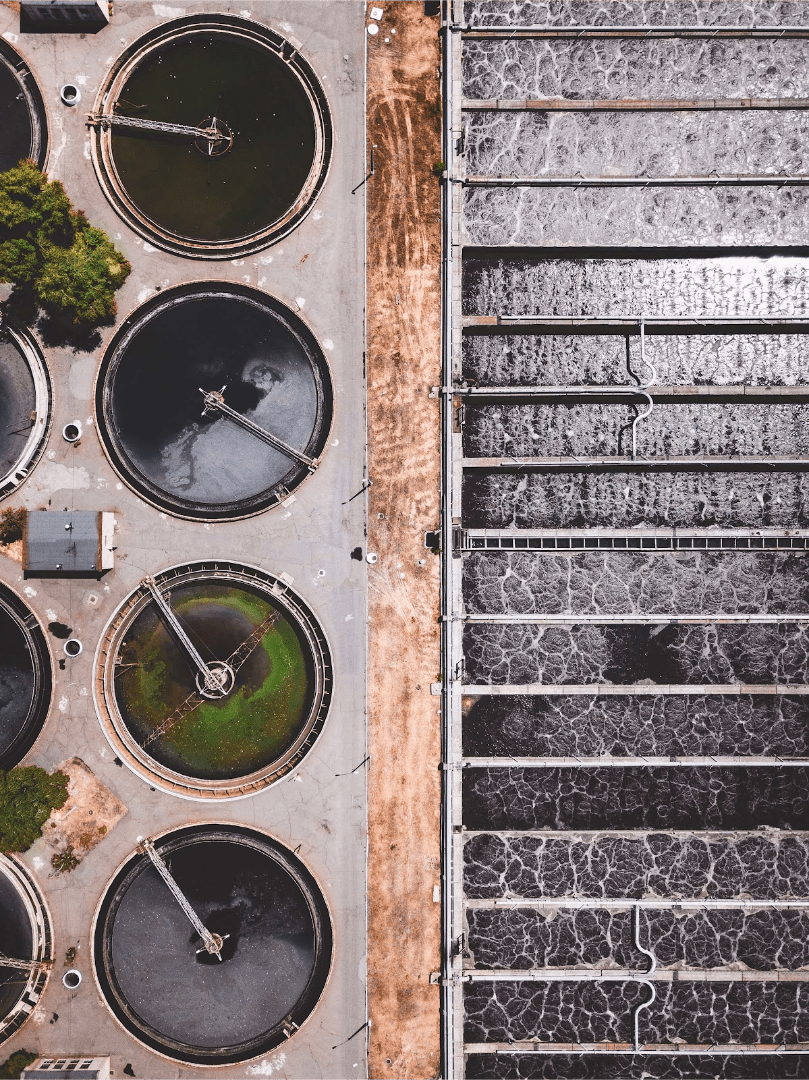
<point x="404" y="314"/>
<point x="90" y="813"/>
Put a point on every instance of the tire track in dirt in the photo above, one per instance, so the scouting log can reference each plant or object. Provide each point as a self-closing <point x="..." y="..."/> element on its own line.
<point x="403" y="362"/>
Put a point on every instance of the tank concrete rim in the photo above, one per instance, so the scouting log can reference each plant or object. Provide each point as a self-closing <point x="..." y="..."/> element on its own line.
<point x="136" y="758"/>
<point x="42" y="664"/>
<point x="101" y="137"/>
<point x="114" y="352"/>
<point x="43" y="398"/>
<point x="37" y="910"/>
<point x="303" y="876"/>
<point x="33" y="99"/>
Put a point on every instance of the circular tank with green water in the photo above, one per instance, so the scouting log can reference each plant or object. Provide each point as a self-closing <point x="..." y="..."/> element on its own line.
<point x="231" y="742"/>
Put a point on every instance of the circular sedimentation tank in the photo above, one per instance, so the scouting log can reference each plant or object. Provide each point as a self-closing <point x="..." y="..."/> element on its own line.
<point x="25" y="679"/>
<point x="22" y="112"/>
<point x="212" y="136"/>
<point x="25" y="406"/>
<point x="178" y="999"/>
<point x="245" y="730"/>
<point x="179" y="449"/>
<point x="25" y="934"/>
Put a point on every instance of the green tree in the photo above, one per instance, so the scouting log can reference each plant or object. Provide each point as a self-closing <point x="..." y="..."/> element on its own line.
<point x="11" y="1068"/>
<point x="12" y="523"/>
<point x="51" y="254"/>
<point x="27" y="796"/>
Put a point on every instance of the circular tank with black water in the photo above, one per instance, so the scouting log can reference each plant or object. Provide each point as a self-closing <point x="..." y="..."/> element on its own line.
<point x="181" y="450"/>
<point x="25" y="679"/>
<point x="22" y="112"/>
<point x="25" y="405"/>
<point x="242" y="735"/>
<point x="212" y="136"/>
<point x="184" y="1002"/>
<point x="25" y="935"/>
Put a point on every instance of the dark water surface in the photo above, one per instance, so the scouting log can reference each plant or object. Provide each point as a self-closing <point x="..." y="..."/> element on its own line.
<point x="636" y="797"/>
<point x="17" y="399"/>
<point x="524" y="938"/>
<point x="642" y="1066"/>
<point x="16" y="681"/>
<point x="760" y="866"/>
<point x="695" y="1012"/>
<point x="15" y="120"/>
<point x="16" y="940"/>
<point x="686" y="654"/>
<point x="155" y="405"/>
<point x="262" y="101"/>
<point x="621" y="726"/>
<point x="269" y="955"/>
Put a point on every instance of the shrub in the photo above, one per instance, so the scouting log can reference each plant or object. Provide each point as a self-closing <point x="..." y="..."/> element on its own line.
<point x="27" y="796"/>
<point x="51" y="254"/>
<point x="11" y="1068"/>
<point x="11" y="525"/>
<point x="65" y="861"/>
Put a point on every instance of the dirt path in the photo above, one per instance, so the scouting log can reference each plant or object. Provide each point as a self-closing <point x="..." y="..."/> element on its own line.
<point x="404" y="261"/>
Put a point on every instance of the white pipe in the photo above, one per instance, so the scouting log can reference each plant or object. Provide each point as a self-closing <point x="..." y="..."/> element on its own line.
<point x="643" y="1005"/>
<point x="639" y="947"/>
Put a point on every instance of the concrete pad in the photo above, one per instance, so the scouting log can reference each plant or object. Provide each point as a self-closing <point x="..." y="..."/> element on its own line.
<point x="320" y="811"/>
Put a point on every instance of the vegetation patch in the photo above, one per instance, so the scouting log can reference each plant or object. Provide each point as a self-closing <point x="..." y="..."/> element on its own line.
<point x="65" y="861"/>
<point x="11" y="525"/>
<point x="53" y="257"/>
<point x="28" y="795"/>
<point x="239" y="734"/>
<point x="11" y="1068"/>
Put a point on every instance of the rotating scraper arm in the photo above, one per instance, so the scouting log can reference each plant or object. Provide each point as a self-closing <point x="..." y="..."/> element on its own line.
<point x="238" y="657"/>
<point x="211" y="942"/>
<point x="174" y="624"/>
<point x="25" y="965"/>
<point x="215" y="402"/>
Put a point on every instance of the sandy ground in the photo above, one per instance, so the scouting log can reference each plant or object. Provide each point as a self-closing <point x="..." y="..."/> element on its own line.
<point x="404" y="260"/>
<point x="90" y="813"/>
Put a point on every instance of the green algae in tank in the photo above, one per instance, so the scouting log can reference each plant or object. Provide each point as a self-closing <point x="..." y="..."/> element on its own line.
<point x="261" y="100"/>
<point x="241" y="733"/>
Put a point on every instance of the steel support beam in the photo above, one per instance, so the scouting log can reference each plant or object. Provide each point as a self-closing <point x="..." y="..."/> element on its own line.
<point x="540" y="394"/>
<point x="629" y="689"/>
<point x="742" y="461"/>
<point x="662" y="975"/>
<point x="633" y="181"/>
<point x="507" y="619"/>
<point x="667" y="1050"/>
<point x="630" y="324"/>
<point x="634" y="761"/>
<point x="589" y="31"/>
<point x="574" y="835"/>
<point x="648" y="903"/>
<point x="628" y="105"/>
<point x="452" y="1013"/>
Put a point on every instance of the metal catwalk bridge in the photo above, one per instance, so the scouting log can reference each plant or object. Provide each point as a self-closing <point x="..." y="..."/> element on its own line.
<point x="213" y="135"/>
